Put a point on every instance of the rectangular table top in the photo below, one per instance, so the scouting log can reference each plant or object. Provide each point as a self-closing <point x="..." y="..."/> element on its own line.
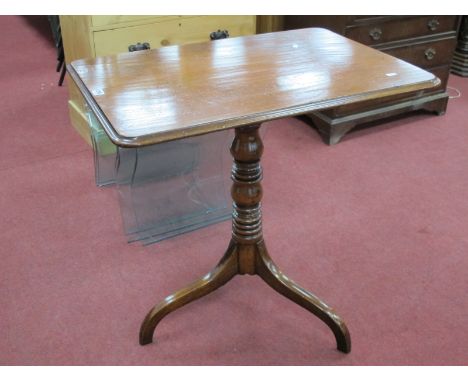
<point x="153" y="96"/>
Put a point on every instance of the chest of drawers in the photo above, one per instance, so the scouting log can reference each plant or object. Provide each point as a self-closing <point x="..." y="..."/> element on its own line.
<point x="99" y="35"/>
<point x="425" y="41"/>
<point x="460" y="57"/>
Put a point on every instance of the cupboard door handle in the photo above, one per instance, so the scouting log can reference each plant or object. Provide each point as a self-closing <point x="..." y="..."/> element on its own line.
<point x="375" y="34"/>
<point x="219" y="34"/>
<point x="139" y="46"/>
<point x="433" y="24"/>
<point x="430" y="53"/>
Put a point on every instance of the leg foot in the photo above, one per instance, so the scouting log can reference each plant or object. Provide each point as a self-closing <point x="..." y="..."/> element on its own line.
<point x="270" y="273"/>
<point x="225" y="270"/>
<point x="330" y="133"/>
<point x="438" y="106"/>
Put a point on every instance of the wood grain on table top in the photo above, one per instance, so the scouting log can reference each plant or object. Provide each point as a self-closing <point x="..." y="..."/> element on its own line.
<point x="158" y="95"/>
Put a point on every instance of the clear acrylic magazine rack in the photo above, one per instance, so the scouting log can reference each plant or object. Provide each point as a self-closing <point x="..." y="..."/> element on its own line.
<point x="169" y="188"/>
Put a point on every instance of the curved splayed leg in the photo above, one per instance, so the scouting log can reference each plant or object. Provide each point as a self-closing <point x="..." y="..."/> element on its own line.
<point x="225" y="270"/>
<point x="269" y="272"/>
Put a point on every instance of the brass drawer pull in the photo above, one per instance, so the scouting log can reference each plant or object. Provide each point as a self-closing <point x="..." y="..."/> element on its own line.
<point x="375" y="34"/>
<point x="139" y="46"/>
<point x="430" y="53"/>
<point x="433" y="24"/>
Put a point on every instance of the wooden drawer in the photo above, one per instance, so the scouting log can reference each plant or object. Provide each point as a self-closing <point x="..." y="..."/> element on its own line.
<point x="442" y="72"/>
<point x="172" y="32"/>
<point x="393" y="30"/>
<point x="361" y="18"/>
<point x="426" y="55"/>
<point x="115" y="20"/>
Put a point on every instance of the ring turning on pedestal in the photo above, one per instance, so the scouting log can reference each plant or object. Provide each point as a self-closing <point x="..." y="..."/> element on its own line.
<point x="247" y="253"/>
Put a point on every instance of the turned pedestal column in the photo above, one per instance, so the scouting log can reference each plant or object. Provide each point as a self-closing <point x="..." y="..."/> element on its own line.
<point x="247" y="253"/>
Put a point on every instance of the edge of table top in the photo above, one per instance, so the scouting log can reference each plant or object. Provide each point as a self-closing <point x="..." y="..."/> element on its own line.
<point x="212" y="126"/>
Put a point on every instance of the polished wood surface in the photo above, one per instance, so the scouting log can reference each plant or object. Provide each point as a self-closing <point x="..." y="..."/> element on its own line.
<point x="425" y="41"/>
<point x="153" y="96"/>
<point x="247" y="253"/>
<point x="86" y="36"/>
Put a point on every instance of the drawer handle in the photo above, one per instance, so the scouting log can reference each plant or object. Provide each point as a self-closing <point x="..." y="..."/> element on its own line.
<point x="375" y="34"/>
<point x="165" y="42"/>
<point x="433" y="24"/>
<point x="219" y="34"/>
<point x="430" y="53"/>
<point x="139" y="46"/>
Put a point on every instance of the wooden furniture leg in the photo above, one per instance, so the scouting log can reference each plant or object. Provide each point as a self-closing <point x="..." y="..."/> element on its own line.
<point x="247" y="253"/>
<point x="220" y="275"/>
<point x="270" y="273"/>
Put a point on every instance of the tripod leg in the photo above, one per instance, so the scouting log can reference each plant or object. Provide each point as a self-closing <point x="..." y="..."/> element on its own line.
<point x="226" y="269"/>
<point x="269" y="272"/>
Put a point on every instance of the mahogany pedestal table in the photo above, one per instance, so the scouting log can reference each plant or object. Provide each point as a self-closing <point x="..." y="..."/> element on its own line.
<point x="175" y="92"/>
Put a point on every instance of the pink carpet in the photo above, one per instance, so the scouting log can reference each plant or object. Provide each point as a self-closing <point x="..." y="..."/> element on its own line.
<point x="376" y="225"/>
